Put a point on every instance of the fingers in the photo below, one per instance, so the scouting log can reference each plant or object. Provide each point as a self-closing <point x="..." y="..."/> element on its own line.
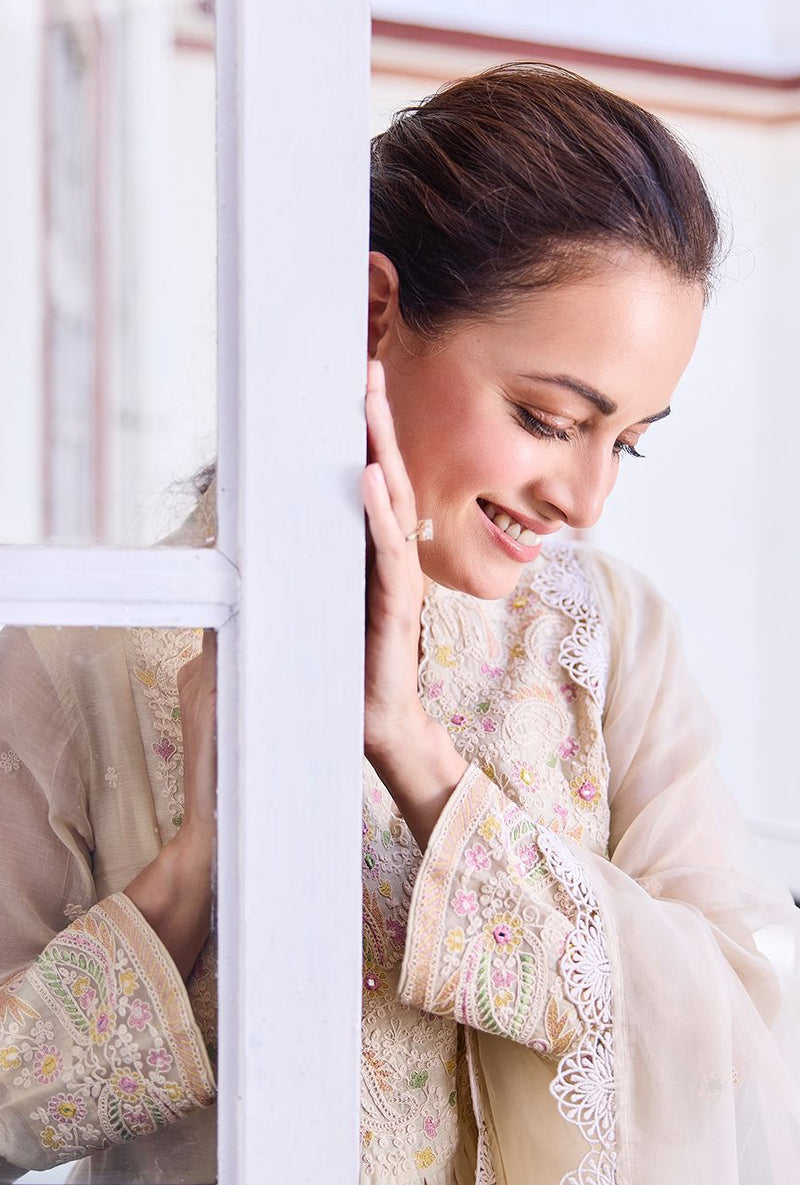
<point x="385" y="450"/>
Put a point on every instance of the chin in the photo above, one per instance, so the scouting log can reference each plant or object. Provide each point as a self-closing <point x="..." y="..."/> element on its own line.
<point x="486" y="583"/>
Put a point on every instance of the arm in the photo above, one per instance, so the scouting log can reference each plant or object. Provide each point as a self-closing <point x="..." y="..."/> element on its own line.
<point x="98" y="1042"/>
<point x="638" y="977"/>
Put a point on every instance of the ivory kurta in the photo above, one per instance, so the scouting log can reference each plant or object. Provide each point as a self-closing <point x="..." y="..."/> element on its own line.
<point x="567" y="978"/>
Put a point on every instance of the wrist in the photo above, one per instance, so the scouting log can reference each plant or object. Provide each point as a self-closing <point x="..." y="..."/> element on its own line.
<point x="420" y="772"/>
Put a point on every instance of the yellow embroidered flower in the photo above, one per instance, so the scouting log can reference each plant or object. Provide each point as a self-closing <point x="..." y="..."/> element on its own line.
<point x="504" y="931"/>
<point x="519" y="602"/>
<point x="50" y="1139"/>
<point x="585" y="791"/>
<point x="525" y="775"/>
<point x="444" y="656"/>
<point x="455" y="940"/>
<point x="173" y="1091"/>
<point x="450" y="1066"/>
<point x="81" y="984"/>
<point x="366" y="1139"/>
<point x="502" y="999"/>
<point x="425" y="1158"/>
<point x="9" y="1058"/>
<point x="128" y="983"/>
<point x="127" y="1085"/>
<point x="489" y="828"/>
<point x="385" y="889"/>
<point x="489" y="770"/>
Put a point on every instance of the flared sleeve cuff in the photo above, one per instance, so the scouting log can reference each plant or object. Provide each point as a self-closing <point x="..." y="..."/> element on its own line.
<point x="98" y="1041"/>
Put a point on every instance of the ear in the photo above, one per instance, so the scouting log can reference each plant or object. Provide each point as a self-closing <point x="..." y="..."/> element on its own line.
<point x="384" y="288"/>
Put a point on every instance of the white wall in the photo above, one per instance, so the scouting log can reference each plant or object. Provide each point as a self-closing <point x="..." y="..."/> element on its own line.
<point x="751" y="35"/>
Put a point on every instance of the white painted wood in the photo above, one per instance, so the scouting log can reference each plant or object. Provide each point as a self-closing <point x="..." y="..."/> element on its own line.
<point x="232" y="1018"/>
<point x="304" y="226"/>
<point x="161" y="586"/>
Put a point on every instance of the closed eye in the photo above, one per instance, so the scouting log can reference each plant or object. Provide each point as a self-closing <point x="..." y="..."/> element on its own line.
<point x="539" y="428"/>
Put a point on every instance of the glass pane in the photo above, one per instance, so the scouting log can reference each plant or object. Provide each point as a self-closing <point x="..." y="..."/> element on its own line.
<point x="108" y="991"/>
<point x="108" y="210"/>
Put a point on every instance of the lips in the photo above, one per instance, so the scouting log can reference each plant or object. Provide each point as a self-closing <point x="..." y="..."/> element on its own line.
<point x="533" y="524"/>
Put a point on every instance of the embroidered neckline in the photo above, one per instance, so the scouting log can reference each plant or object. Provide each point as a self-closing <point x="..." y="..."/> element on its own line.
<point x="561" y="582"/>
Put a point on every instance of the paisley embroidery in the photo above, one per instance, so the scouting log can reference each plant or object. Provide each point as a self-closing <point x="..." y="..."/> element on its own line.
<point x="114" y="1048"/>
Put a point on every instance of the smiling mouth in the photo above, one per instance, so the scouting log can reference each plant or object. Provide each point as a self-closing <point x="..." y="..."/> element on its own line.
<point x="509" y="526"/>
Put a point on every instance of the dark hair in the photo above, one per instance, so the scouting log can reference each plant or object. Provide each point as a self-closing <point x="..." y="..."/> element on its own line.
<point x="516" y="179"/>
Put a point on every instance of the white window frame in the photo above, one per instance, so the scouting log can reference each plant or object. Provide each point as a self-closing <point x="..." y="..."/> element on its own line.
<point x="281" y="587"/>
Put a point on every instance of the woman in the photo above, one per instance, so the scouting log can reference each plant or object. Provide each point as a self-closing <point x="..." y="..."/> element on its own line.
<point x="562" y="905"/>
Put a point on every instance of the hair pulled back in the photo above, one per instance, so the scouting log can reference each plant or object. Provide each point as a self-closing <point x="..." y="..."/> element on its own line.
<point x="514" y="179"/>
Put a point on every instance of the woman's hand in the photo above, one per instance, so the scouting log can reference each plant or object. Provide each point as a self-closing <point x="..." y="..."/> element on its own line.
<point x="395" y="582"/>
<point x="197" y="694"/>
<point x="411" y="753"/>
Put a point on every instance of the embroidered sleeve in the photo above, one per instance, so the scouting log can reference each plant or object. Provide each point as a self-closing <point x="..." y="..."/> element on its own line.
<point x="505" y="935"/>
<point x="98" y="1042"/>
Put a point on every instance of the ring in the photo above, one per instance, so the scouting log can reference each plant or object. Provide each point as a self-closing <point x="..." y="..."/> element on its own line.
<point x="422" y="532"/>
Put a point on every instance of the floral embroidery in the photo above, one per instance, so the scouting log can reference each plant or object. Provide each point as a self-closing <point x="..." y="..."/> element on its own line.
<point x="81" y="1039"/>
<point x="112" y="777"/>
<point x="500" y="664"/>
<point x="585" y="791"/>
<point x="498" y="980"/>
<point x="9" y="761"/>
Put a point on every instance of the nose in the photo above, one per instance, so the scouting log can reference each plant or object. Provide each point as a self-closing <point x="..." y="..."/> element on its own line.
<point x="577" y="490"/>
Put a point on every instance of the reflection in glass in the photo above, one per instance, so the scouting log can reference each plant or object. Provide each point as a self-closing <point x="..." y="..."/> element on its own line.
<point x="107" y="967"/>
<point x="109" y="209"/>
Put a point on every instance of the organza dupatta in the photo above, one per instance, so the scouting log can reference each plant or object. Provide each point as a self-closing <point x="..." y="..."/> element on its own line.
<point x="690" y="1072"/>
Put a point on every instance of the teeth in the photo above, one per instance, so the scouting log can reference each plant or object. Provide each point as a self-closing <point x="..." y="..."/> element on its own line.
<point x="507" y="524"/>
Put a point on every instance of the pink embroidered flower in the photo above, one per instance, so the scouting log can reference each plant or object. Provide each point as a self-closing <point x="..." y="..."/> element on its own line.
<point x="504" y="931"/>
<point x="457" y="719"/>
<point x="140" y="1015"/>
<point x="375" y="984"/>
<point x="163" y="749"/>
<point x="585" y="791"/>
<point x="128" y="1085"/>
<point x="489" y="725"/>
<point x="528" y="854"/>
<point x="568" y="748"/>
<point x="476" y="857"/>
<point x="504" y="979"/>
<point x="523" y="775"/>
<point x="492" y="672"/>
<point x="66" y="1108"/>
<point x="47" y="1064"/>
<point x="430" y="1127"/>
<point x="435" y="689"/>
<point x="138" y="1120"/>
<point x="101" y="1026"/>
<point x="159" y="1059"/>
<point x="569" y="692"/>
<point x="397" y="932"/>
<point x="465" y="904"/>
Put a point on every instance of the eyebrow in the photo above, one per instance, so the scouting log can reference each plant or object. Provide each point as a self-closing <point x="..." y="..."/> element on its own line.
<point x="606" y="406"/>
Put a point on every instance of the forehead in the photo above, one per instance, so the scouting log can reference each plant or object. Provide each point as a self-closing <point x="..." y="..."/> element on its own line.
<point x="628" y="331"/>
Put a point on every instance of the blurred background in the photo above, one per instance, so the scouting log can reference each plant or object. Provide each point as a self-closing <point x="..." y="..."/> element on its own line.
<point x="107" y="217"/>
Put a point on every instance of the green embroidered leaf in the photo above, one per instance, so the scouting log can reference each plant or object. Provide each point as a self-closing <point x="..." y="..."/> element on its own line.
<point x="417" y="1079"/>
<point x="526" y="982"/>
<point x="386" y="836"/>
<point x="451" y="1099"/>
<point x="484" y="707"/>
<point x="483" y="997"/>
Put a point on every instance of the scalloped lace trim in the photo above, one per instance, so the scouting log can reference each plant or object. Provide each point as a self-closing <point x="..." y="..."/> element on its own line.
<point x="562" y="583"/>
<point x="583" y="1086"/>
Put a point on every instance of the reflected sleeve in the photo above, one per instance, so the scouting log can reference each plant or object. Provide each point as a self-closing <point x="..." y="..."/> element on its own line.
<point x="98" y="1042"/>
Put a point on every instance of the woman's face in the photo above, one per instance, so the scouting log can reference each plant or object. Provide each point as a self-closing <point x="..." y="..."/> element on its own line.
<point x="460" y="411"/>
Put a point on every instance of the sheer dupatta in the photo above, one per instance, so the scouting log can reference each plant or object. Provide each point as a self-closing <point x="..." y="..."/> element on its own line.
<point x="689" y="1067"/>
